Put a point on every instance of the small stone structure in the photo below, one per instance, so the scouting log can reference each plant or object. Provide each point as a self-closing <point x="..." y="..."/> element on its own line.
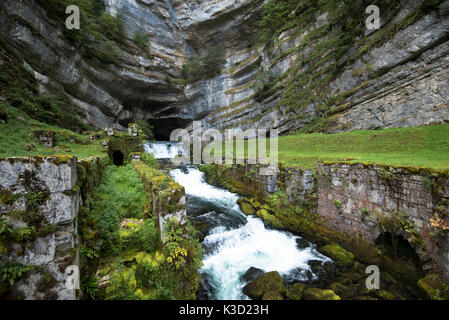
<point x="136" y="157"/>
<point x="133" y="130"/>
<point x="109" y="131"/>
<point x="45" y="137"/>
<point x="167" y="196"/>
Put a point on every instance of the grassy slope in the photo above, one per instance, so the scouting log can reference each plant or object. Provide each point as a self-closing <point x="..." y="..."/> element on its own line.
<point x="15" y="135"/>
<point x="426" y="147"/>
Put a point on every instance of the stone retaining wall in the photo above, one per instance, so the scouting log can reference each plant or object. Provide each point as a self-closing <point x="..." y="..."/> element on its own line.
<point x="367" y="200"/>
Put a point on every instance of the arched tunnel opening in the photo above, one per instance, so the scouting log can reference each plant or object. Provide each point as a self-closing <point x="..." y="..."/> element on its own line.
<point x="397" y="247"/>
<point x="162" y="128"/>
<point x="118" y="157"/>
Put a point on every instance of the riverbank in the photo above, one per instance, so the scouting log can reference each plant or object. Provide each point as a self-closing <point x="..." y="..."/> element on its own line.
<point x="296" y="210"/>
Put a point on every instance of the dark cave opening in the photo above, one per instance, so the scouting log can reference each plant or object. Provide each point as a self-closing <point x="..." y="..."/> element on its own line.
<point x="162" y="128"/>
<point x="118" y="157"/>
<point x="395" y="246"/>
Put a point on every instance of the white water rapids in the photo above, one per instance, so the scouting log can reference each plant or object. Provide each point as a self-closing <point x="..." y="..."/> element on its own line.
<point x="237" y="242"/>
<point x="164" y="150"/>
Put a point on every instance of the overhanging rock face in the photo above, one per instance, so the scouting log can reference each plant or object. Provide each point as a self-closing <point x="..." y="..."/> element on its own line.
<point x="367" y="200"/>
<point x="39" y="206"/>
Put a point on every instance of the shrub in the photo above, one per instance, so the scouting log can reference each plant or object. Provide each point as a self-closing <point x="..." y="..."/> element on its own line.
<point x="11" y="271"/>
<point x="337" y="204"/>
<point x="206" y="66"/>
<point x="141" y="39"/>
<point x="146" y="129"/>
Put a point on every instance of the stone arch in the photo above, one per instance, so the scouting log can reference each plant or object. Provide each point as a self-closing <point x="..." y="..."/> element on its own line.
<point x="398" y="246"/>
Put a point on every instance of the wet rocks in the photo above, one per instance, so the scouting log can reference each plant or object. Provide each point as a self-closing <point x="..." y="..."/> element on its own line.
<point x="270" y="284"/>
<point x="338" y="254"/>
<point x="319" y="294"/>
<point x="295" y="291"/>
<point x="251" y="274"/>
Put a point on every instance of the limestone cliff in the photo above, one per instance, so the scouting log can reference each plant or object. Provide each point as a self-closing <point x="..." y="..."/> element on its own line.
<point x="325" y="72"/>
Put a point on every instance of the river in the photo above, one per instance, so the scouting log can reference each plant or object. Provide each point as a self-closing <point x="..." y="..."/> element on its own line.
<point x="234" y="242"/>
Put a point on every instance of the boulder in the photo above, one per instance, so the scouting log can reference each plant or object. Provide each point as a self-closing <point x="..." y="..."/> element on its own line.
<point x="338" y="254"/>
<point x="45" y="137"/>
<point x="251" y="274"/>
<point x="268" y="282"/>
<point x="247" y="208"/>
<point x="295" y="291"/>
<point x="272" y="295"/>
<point x="385" y="295"/>
<point x="319" y="294"/>
<point x="433" y="287"/>
<point x="342" y="290"/>
<point x="302" y="243"/>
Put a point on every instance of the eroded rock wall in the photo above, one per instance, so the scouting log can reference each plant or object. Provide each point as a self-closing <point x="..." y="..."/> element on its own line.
<point x="40" y="202"/>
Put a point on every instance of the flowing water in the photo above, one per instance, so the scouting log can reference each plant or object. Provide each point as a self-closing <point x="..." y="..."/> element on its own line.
<point x="234" y="242"/>
<point x="164" y="150"/>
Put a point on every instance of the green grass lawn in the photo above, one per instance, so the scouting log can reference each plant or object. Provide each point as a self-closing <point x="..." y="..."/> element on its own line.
<point x="426" y="147"/>
<point x="15" y="135"/>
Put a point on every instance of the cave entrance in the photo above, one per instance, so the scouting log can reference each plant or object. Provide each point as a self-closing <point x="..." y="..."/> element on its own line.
<point x="162" y="128"/>
<point x="117" y="157"/>
<point x="396" y="247"/>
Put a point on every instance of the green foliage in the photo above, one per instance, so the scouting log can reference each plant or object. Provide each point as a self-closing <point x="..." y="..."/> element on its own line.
<point x="364" y="212"/>
<point x="19" y="88"/>
<point x="150" y="160"/>
<point x="276" y="17"/>
<point x="175" y="242"/>
<point x="250" y="174"/>
<point x="146" y="128"/>
<point x="204" y="67"/>
<point x="89" y="287"/>
<point x="141" y="39"/>
<point x="120" y="195"/>
<point x="101" y="35"/>
<point x="11" y="272"/>
<point x="338" y="204"/>
<point x="420" y="147"/>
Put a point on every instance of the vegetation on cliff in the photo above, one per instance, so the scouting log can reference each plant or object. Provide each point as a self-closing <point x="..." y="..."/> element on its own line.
<point x="336" y="41"/>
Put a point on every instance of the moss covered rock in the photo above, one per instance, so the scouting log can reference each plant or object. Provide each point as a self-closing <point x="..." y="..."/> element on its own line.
<point x="385" y="295"/>
<point x="338" y="254"/>
<point x="268" y="282"/>
<point x="434" y="288"/>
<point x="341" y="290"/>
<point x="296" y="291"/>
<point x="247" y="208"/>
<point x="272" y="295"/>
<point x="319" y="294"/>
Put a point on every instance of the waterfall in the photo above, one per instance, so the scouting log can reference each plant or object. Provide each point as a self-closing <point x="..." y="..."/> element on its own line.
<point x="164" y="150"/>
<point x="237" y="242"/>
